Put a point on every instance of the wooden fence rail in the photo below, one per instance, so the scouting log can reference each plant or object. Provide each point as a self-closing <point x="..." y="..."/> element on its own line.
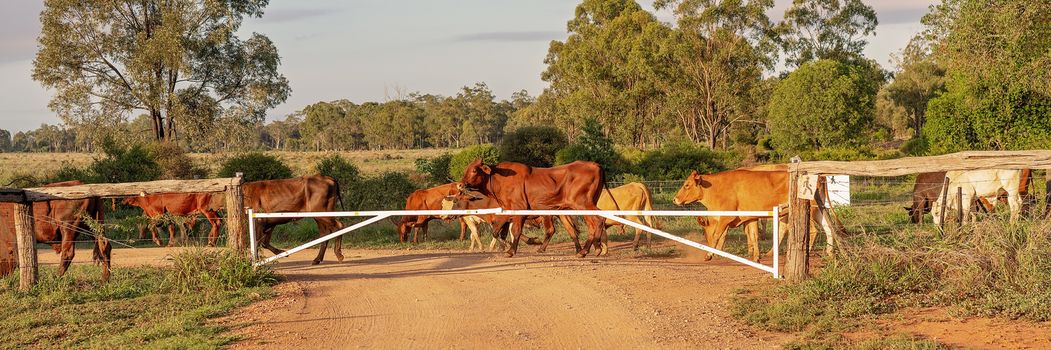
<point x="23" y="222"/>
<point x="796" y="264"/>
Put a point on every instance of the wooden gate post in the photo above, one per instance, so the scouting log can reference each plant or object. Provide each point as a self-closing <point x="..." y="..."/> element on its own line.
<point x="26" y="246"/>
<point x="959" y="209"/>
<point x="797" y="260"/>
<point x="235" y="215"/>
<point x="945" y="202"/>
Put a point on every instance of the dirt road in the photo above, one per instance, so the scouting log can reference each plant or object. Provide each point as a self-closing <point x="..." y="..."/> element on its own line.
<point x="414" y="299"/>
<point x="443" y="299"/>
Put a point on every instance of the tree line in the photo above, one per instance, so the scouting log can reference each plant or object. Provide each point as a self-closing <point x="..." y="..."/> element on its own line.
<point x="976" y="77"/>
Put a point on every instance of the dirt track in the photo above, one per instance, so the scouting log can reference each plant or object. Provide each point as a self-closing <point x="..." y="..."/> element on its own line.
<point x="412" y="299"/>
<point x="443" y="299"/>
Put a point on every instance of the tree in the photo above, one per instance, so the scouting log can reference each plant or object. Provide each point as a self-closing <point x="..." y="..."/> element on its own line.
<point x="319" y="125"/>
<point x="998" y="90"/>
<point x="592" y="145"/>
<point x="532" y="145"/>
<point x="823" y="103"/>
<point x="918" y="79"/>
<point x="718" y="53"/>
<point x="605" y="69"/>
<point x="177" y="60"/>
<point x="5" y="141"/>
<point x="826" y="29"/>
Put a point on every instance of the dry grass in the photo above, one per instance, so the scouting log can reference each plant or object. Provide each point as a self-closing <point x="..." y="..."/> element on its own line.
<point x="302" y="163"/>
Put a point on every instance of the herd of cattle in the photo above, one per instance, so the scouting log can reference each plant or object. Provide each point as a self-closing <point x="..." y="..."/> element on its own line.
<point x="512" y="186"/>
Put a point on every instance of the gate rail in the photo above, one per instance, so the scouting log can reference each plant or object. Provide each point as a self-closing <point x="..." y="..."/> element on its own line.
<point x="614" y="215"/>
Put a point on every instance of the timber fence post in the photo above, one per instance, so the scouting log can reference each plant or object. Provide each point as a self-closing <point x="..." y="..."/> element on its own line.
<point x="26" y="246"/>
<point x="959" y="207"/>
<point x="945" y="201"/>
<point x="235" y="214"/>
<point x="796" y="255"/>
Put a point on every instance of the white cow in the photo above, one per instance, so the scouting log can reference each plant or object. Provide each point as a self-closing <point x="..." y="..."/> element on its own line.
<point x="980" y="183"/>
<point x="473" y="222"/>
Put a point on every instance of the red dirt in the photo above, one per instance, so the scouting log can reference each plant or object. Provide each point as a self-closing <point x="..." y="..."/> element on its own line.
<point x="444" y="299"/>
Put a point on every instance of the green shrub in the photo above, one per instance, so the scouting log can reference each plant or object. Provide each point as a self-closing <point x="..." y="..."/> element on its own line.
<point x="124" y="164"/>
<point x="915" y="147"/>
<point x="533" y="145"/>
<point x="593" y="145"/>
<point x="341" y="169"/>
<point x="675" y="161"/>
<point x="256" y="167"/>
<point x="457" y="164"/>
<point x="69" y="172"/>
<point x="435" y="169"/>
<point x="174" y="163"/>
<point x="385" y="192"/>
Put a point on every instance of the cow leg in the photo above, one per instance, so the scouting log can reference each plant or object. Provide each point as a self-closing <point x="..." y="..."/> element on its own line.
<point x="324" y="226"/>
<point x="101" y="255"/>
<point x="473" y="228"/>
<point x="500" y="228"/>
<point x="571" y="229"/>
<point x="264" y="240"/>
<point x="69" y="235"/>
<point x="715" y="235"/>
<point x="1014" y="200"/>
<point x="595" y="232"/>
<point x="463" y="225"/>
<point x="213" y="219"/>
<point x="517" y="223"/>
<point x="549" y="231"/>
<point x="171" y="235"/>
<point x="751" y="231"/>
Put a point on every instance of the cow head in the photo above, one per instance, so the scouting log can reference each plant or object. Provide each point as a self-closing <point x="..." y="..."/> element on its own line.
<point x="692" y="190"/>
<point x="475" y="176"/>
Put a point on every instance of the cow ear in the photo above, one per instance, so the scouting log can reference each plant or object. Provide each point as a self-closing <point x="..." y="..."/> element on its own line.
<point x="702" y="182"/>
<point x="486" y="169"/>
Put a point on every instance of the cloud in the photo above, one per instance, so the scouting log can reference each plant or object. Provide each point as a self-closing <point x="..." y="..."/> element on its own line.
<point x="901" y="15"/>
<point x="511" y="36"/>
<point x="292" y="15"/>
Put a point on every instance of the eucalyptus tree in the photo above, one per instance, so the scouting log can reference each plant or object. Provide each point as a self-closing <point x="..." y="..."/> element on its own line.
<point x="718" y="52"/>
<point x="180" y="61"/>
<point x="826" y="29"/>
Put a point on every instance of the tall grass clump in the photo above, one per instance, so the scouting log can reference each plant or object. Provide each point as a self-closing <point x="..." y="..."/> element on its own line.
<point x="212" y="273"/>
<point x="992" y="268"/>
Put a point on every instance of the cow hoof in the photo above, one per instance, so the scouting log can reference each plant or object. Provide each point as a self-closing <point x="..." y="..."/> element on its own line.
<point x="541" y="250"/>
<point x="509" y="254"/>
<point x="708" y="257"/>
<point x="315" y="262"/>
<point x="582" y="254"/>
<point x="339" y="258"/>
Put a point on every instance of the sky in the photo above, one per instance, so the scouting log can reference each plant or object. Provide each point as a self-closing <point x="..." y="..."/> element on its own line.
<point x="372" y="50"/>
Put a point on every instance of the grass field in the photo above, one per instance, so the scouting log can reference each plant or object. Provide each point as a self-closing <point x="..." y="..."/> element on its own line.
<point x="42" y="165"/>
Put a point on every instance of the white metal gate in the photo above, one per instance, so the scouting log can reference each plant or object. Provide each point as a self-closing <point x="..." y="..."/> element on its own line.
<point x="615" y="215"/>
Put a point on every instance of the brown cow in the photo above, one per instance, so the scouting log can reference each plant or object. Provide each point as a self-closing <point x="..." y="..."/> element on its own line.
<point x="927" y="189"/>
<point x="517" y="186"/>
<point x="58" y="223"/>
<point x="180" y="204"/>
<point x="425" y="199"/>
<point x="301" y="194"/>
<point x="740" y="190"/>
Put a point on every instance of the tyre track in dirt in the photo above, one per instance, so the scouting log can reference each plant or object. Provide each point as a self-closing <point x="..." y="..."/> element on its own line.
<point x="427" y="299"/>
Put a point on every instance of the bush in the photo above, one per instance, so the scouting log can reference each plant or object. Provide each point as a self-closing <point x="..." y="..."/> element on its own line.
<point x="69" y="172"/>
<point x="256" y="167"/>
<point x="435" y="169"/>
<point x="339" y="168"/>
<point x="174" y="163"/>
<point x="915" y="147"/>
<point x="532" y="145"/>
<point x="385" y="192"/>
<point x="593" y="145"/>
<point x="124" y="164"/>
<point x="675" y="161"/>
<point x="457" y="164"/>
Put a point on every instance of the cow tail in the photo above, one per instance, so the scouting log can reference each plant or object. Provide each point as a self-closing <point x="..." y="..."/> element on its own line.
<point x="339" y="198"/>
<point x="605" y="186"/>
